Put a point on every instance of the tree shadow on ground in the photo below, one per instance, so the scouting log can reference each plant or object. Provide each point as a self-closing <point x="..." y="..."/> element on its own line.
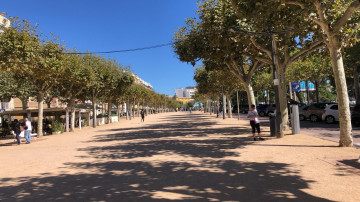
<point x="222" y="180"/>
<point x="175" y="161"/>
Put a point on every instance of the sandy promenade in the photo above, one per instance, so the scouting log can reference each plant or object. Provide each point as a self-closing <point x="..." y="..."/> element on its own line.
<point x="178" y="156"/>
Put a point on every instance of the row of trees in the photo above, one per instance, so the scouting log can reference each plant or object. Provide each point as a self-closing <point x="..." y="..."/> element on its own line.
<point x="32" y="65"/>
<point x="242" y="36"/>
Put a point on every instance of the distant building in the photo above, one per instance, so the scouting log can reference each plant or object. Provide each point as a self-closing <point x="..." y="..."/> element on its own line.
<point x="138" y="80"/>
<point x="190" y="92"/>
<point x="185" y="95"/>
<point x="184" y="100"/>
<point x="4" y="22"/>
<point x="179" y="92"/>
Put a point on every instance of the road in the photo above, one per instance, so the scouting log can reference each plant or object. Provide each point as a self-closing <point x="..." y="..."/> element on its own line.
<point x="316" y="129"/>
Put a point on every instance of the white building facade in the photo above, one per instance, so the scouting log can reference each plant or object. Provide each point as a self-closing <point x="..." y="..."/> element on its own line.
<point x="4" y="23"/>
<point x="179" y="92"/>
<point x="188" y="92"/>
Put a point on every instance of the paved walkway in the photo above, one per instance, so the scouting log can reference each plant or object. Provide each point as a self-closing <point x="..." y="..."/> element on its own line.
<point x="178" y="156"/>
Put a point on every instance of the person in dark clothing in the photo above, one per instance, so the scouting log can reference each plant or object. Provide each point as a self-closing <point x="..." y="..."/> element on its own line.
<point x="142" y="113"/>
<point x="16" y="130"/>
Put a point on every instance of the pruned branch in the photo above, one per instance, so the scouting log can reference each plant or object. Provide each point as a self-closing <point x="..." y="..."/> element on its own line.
<point x="255" y="67"/>
<point x="240" y="69"/>
<point x="305" y="51"/>
<point x="235" y="71"/>
<point x="347" y="15"/>
<point x="296" y="3"/>
<point x="264" y="60"/>
<point x="258" y="46"/>
<point x="322" y="24"/>
<point x="322" y="18"/>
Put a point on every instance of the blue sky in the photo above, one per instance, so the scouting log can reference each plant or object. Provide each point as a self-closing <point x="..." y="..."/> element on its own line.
<point x="105" y="25"/>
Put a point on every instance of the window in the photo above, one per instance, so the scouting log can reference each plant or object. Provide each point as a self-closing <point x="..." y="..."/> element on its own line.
<point x="334" y="107"/>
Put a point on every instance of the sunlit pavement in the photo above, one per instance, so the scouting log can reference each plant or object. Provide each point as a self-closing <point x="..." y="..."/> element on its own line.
<point x="178" y="156"/>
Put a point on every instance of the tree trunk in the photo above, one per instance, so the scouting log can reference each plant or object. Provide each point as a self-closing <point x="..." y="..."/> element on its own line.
<point x="102" y="109"/>
<point x="229" y="106"/>
<point x="209" y="106"/>
<point x="224" y="105"/>
<point x="346" y="139"/>
<point x="122" y="109"/>
<point x="72" y="121"/>
<point x="94" y="111"/>
<point x="118" y="112"/>
<point x="307" y="92"/>
<point x="357" y="85"/>
<point x="127" y="110"/>
<point x="48" y="104"/>
<point x="299" y="97"/>
<point x="24" y="102"/>
<point x="109" y="109"/>
<point x="317" y="91"/>
<point x="138" y="109"/>
<point x="204" y="106"/>
<point x="133" y="109"/>
<point x="283" y="101"/>
<point x="143" y="105"/>
<point x="40" y="114"/>
<point x="250" y="94"/>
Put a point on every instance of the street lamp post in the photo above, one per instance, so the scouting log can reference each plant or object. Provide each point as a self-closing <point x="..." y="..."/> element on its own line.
<point x="279" y="132"/>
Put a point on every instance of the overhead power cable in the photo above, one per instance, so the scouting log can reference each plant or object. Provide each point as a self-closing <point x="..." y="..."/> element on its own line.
<point x="107" y="52"/>
<point x="122" y="51"/>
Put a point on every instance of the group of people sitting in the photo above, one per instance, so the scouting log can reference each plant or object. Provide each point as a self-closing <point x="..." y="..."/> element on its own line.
<point x="22" y="129"/>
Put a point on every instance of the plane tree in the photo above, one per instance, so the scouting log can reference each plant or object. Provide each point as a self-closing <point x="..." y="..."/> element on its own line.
<point x="210" y="39"/>
<point x="212" y="81"/>
<point x="37" y="60"/>
<point x="334" y="23"/>
<point x="77" y="77"/>
<point x="352" y="64"/>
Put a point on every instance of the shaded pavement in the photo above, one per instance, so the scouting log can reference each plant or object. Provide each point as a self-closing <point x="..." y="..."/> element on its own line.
<point x="173" y="156"/>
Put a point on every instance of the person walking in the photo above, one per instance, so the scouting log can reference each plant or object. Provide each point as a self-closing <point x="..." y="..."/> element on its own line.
<point x="254" y="122"/>
<point x="142" y="113"/>
<point x="28" y="130"/>
<point x="16" y="131"/>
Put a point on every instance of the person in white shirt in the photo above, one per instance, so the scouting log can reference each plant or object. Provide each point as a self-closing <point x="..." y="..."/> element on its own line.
<point x="254" y="122"/>
<point x="28" y="130"/>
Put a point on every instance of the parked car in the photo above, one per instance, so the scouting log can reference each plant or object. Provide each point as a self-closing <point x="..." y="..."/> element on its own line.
<point x="270" y="109"/>
<point x="261" y="109"/>
<point x="302" y="112"/>
<point x="244" y="108"/>
<point x="315" y="110"/>
<point x="331" y="113"/>
<point x="355" y="116"/>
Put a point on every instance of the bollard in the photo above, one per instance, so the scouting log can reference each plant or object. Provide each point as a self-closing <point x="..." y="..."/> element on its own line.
<point x="295" y="116"/>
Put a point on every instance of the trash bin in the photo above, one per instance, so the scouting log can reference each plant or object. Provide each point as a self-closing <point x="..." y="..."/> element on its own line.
<point x="272" y="118"/>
